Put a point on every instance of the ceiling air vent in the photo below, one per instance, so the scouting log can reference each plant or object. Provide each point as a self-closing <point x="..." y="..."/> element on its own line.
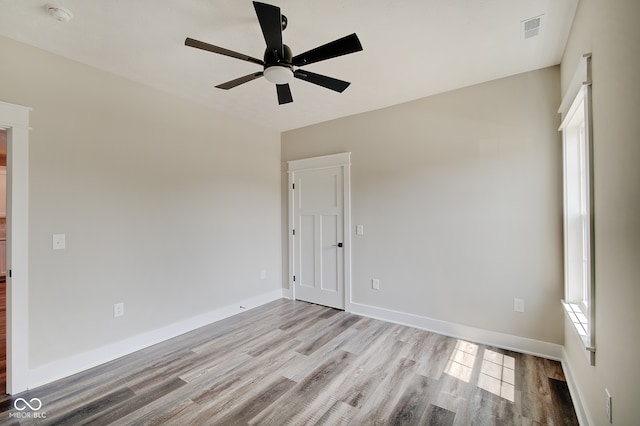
<point x="532" y="27"/>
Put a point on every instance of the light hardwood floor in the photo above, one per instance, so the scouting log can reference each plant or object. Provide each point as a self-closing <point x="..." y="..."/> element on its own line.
<point x="297" y="363"/>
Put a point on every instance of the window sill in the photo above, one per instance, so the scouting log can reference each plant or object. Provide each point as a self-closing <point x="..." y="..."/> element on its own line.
<point x="581" y="325"/>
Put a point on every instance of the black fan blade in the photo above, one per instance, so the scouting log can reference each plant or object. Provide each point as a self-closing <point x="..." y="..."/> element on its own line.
<point x="271" y="24"/>
<point x="342" y="46"/>
<point x="284" y="94"/>
<point x="322" y="80"/>
<point x="238" y="81"/>
<point x="222" y="51"/>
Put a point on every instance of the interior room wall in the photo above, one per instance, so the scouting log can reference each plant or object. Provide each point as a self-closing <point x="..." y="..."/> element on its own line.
<point x="460" y="195"/>
<point x="610" y="32"/>
<point x="168" y="207"/>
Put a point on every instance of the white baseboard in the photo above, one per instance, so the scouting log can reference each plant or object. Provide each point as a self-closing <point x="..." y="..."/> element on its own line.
<point x="74" y="364"/>
<point x="576" y="396"/>
<point x="465" y="332"/>
<point x="287" y="293"/>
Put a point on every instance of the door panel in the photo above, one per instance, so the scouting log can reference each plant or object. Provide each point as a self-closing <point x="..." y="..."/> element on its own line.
<point x="330" y="254"/>
<point x="306" y="273"/>
<point x="318" y="223"/>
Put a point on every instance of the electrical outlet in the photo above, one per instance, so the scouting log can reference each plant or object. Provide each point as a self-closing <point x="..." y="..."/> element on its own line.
<point x="608" y="406"/>
<point x="263" y="274"/>
<point x="375" y="284"/>
<point x="118" y="310"/>
<point x="518" y="305"/>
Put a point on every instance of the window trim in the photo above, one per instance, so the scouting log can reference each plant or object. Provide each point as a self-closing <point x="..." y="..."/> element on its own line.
<point x="578" y="100"/>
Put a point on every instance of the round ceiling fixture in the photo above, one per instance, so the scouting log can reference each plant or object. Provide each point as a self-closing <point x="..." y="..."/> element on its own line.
<point x="60" y="14"/>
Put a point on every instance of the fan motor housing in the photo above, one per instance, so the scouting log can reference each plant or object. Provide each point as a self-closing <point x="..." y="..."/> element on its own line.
<point x="271" y="57"/>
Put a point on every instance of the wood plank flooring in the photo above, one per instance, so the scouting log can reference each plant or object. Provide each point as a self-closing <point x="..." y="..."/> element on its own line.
<point x="295" y="363"/>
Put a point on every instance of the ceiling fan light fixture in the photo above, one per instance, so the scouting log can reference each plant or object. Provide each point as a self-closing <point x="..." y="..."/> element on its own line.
<point x="279" y="63"/>
<point x="278" y="74"/>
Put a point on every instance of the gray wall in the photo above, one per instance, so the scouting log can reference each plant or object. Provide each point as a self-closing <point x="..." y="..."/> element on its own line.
<point x="609" y="30"/>
<point x="460" y="195"/>
<point x="168" y="207"/>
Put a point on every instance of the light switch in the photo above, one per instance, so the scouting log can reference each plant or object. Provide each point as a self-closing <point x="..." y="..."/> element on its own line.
<point x="359" y="229"/>
<point x="59" y="242"/>
<point x="518" y="305"/>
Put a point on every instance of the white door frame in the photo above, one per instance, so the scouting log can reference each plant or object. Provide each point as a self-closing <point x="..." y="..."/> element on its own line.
<point x="15" y="119"/>
<point x="315" y="163"/>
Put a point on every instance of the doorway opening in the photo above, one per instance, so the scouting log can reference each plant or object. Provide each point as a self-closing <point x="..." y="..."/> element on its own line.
<point x="14" y="121"/>
<point x="3" y="260"/>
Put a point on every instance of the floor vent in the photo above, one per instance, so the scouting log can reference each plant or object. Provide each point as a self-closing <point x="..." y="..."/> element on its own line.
<point x="532" y="27"/>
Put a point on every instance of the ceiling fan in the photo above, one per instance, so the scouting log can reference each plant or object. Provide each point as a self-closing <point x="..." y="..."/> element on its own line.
<point x="279" y="64"/>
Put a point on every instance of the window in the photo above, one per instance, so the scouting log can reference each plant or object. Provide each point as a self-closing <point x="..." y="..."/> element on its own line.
<point x="578" y="202"/>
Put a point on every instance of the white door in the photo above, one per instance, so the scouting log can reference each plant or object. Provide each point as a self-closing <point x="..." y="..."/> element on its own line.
<point x="318" y="235"/>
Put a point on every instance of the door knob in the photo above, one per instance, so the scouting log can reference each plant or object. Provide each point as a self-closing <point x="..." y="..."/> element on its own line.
<point x="337" y="245"/>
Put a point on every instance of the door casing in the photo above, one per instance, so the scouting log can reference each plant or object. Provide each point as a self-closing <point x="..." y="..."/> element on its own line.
<point x="342" y="160"/>
<point x="15" y="119"/>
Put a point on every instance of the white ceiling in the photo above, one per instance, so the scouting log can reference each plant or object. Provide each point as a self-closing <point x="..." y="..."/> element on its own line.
<point x="412" y="48"/>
